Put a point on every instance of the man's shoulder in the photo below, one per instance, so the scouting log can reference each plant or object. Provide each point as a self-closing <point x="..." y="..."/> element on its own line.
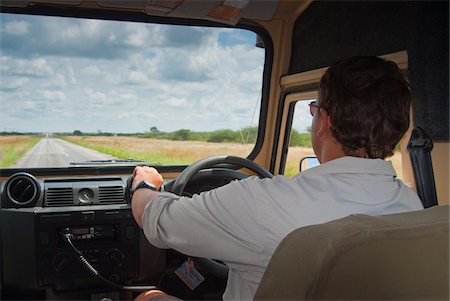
<point x="351" y="165"/>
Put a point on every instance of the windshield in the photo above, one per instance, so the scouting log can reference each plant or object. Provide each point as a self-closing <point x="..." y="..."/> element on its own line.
<point x="78" y="90"/>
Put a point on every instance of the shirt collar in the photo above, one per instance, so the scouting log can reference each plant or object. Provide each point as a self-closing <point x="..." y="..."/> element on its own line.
<point x="353" y="165"/>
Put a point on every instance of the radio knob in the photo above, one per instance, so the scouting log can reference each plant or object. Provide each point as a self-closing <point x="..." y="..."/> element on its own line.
<point x="116" y="256"/>
<point x="114" y="278"/>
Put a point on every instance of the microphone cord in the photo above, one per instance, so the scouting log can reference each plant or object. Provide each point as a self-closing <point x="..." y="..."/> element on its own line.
<point x="93" y="271"/>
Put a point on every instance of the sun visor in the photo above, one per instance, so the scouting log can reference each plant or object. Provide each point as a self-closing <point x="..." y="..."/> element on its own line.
<point x="223" y="11"/>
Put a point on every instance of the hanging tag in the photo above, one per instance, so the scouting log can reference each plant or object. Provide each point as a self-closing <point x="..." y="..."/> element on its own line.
<point x="189" y="274"/>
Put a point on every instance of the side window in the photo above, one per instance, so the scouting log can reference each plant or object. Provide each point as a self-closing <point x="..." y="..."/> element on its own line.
<point x="300" y="141"/>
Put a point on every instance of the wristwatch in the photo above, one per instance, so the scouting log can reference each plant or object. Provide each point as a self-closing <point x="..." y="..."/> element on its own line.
<point x="144" y="184"/>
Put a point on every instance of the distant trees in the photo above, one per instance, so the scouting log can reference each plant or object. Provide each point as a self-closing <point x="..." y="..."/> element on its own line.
<point x="246" y="135"/>
<point x="80" y="133"/>
<point x="182" y="134"/>
<point x="243" y="135"/>
<point x="300" y="139"/>
<point x="222" y="136"/>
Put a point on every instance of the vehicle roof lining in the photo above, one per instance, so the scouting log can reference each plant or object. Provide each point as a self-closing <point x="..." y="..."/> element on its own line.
<point x="222" y="11"/>
<point x="329" y="31"/>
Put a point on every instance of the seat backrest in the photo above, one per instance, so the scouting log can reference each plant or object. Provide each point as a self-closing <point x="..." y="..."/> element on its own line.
<point x="398" y="256"/>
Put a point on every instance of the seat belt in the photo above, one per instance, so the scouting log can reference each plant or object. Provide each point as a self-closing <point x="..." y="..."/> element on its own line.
<point x="419" y="146"/>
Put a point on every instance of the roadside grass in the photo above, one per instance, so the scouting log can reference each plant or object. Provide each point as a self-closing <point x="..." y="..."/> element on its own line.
<point x="295" y="154"/>
<point x="14" y="147"/>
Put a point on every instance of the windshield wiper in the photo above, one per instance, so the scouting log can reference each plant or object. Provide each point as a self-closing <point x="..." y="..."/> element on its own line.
<point x="115" y="161"/>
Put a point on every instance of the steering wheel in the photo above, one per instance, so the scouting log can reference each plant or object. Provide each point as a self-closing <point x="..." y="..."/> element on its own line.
<point x="218" y="269"/>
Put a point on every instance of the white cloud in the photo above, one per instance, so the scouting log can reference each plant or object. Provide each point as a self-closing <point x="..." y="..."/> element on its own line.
<point x="137" y="77"/>
<point x="40" y="66"/>
<point x="70" y="72"/>
<point x="14" y="83"/>
<point x="53" y="96"/>
<point x="37" y="67"/>
<point x="92" y="70"/>
<point x="179" y="103"/>
<point x="127" y="98"/>
<point x="17" y="28"/>
<point x="59" y="80"/>
<point x="97" y="97"/>
<point x="139" y="37"/>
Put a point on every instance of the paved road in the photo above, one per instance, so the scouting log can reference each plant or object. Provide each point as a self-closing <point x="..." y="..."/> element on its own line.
<point x="52" y="152"/>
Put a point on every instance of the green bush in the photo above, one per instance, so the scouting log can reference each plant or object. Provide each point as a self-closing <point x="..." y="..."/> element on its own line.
<point x="223" y="136"/>
<point x="300" y="139"/>
<point x="249" y="134"/>
<point x="182" y="135"/>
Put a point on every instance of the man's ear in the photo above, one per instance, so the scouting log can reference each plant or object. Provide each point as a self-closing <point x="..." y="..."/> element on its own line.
<point x="325" y="122"/>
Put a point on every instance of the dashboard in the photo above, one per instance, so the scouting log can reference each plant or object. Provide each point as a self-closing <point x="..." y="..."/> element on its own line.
<point x="38" y="210"/>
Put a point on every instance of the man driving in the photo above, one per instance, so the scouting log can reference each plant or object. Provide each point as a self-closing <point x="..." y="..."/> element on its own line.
<point x="361" y="114"/>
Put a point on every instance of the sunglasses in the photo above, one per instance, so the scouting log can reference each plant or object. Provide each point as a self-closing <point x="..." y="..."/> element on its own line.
<point x="312" y="107"/>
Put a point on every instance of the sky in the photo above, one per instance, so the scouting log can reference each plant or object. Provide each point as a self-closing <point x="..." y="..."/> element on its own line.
<point x="61" y="75"/>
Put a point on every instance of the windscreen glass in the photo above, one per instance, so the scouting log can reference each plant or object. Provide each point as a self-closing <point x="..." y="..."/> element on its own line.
<point x="77" y="91"/>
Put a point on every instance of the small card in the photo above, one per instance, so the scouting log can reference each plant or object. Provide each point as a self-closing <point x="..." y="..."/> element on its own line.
<point x="189" y="274"/>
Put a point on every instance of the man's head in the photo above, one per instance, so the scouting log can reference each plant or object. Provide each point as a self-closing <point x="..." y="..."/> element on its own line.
<point x="367" y="102"/>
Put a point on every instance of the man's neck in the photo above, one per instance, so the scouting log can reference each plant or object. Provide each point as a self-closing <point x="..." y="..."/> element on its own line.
<point x="330" y="150"/>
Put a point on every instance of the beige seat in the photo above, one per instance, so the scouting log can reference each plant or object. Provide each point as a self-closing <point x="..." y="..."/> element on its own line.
<point x="398" y="256"/>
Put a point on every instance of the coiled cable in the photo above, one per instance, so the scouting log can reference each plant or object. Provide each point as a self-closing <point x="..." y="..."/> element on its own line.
<point x="93" y="271"/>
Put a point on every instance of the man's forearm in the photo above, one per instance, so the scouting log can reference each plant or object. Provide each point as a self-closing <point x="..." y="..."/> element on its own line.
<point x="141" y="198"/>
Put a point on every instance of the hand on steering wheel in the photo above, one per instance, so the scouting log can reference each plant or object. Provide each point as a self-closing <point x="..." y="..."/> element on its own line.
<point x="231" y="162"/>
<point x="218" y="269"/>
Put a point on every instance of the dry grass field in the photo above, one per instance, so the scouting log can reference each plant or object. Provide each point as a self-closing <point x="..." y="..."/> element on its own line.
<point x="185" y="152"/>
<point x="162" y="151"/>
<point x="14" y="147"/>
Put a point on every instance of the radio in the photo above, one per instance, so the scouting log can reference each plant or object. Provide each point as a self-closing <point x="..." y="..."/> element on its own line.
<point x="91" y="232"/>
<point x="39" y="257"/>
<point x="107" y="236"/>
<point x="108" y="239"/>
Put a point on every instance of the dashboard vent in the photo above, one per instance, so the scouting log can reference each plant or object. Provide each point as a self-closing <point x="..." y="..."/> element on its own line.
<point x="84" y="192"/>
<point x="111" y="195"/>
<point x="59" y="196"/>
<point x="22" y="189"/>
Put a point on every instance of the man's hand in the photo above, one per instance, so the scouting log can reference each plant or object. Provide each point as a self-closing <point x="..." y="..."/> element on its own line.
<point x="155" y="295"/>
<point x="150" y="174"/>
<point x="142" y="197"/>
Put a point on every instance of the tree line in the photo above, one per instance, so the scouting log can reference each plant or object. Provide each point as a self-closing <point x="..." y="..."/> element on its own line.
<point x="244" y="135"/>
<point x="247" y="135"/>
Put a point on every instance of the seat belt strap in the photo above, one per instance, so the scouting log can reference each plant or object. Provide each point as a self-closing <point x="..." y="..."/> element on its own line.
<point x="419" y="146"/>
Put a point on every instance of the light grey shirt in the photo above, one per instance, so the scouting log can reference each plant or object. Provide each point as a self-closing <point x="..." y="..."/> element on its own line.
<point x="243" y="222"/>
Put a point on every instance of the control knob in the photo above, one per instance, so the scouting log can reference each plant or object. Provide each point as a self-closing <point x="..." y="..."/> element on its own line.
<point x="116" y="257"/>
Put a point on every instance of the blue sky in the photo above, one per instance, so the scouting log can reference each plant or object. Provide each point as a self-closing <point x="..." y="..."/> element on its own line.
<point x="92" y="75"/>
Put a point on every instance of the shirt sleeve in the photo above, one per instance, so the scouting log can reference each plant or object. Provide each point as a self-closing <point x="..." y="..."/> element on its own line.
<point x="221" y="224"/>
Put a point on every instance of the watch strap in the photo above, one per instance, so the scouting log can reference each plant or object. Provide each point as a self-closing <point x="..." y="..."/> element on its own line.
<point x="144" y="184"/>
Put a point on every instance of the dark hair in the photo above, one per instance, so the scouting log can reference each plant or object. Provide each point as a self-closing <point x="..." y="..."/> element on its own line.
<point x="368" y="100"/>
